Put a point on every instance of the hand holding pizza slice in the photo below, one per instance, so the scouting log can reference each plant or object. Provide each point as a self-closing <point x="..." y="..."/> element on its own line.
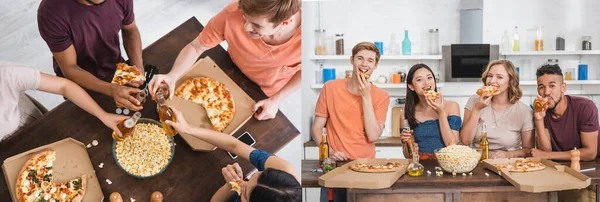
<point x="126" y="74"/>
<point x="364" y="73"/>
<point x="236" y="186"/>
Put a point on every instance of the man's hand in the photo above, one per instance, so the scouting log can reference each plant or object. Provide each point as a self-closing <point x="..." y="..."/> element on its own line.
<point x="123" y="97"/>
<point x="159" y="79"/>
<point x="269" y="109"/>
<point x="364" y="89"/>
<point x="337" y="155"/>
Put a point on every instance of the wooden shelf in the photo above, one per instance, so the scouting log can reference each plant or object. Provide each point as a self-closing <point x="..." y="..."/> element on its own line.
<point x="383" y="57"/>
<point x="384" y="86"/>
<point x="554" y="53"/>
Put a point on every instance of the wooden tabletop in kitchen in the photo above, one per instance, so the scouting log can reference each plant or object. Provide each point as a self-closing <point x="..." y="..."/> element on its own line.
<point x="192" y="176"/>
<point x="311" y="179"/>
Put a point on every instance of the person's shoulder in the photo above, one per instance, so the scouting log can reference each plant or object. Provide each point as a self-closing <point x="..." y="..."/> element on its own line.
<point x="449" y="104"/>
<point x="581" y="102"/>
<point x="233" y="7"/>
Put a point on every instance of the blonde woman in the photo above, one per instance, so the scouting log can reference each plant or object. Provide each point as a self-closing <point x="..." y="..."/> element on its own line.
<point x="509" y="123"/>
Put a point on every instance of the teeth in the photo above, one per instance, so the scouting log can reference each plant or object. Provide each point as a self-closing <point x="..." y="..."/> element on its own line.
<point x="364" y="70"/>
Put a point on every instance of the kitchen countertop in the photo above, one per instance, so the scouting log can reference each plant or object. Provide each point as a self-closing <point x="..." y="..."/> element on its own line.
<point x="381" y="142"/>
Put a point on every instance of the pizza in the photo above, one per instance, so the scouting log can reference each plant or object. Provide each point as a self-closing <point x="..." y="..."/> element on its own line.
<point x="364" y="73"/>
<point x="431" y="94"/>
<point x="235" y="186"/>
<point x="212" y="96"/>
<point x="125" y="74"/>
<point x="540" y="104"/>
<point x="488" y="91"/>
<point x="384" y="168"/>
<point x="525" y="165"/>
<point x="35" y="181"/>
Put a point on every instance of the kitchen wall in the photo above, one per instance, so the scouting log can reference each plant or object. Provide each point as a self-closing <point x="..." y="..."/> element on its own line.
<point x="376" y="21"/>
<point x="21" y="42"/>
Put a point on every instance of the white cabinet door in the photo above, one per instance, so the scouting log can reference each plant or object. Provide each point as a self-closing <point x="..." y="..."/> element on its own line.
<point x="311" y="194"/>
<point x="389" y="152"/>
<point x="311" y="153"/>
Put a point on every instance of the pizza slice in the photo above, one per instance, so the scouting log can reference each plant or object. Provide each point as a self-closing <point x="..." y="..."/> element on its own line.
<point x="431" y="94"/>
<point x="383" y="168"/>
<point x="213" y="96"/>
<point x="126" y="74"/>
<point x="364" y="73"/>
<point x="72" y="190"/>
<point x="235" y="186"/>
<point x="540" y="104"/>
<point x="487" y="91"/>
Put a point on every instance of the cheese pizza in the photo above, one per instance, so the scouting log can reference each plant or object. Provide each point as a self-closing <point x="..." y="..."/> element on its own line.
<point x="488" y="91"/>
<point x="525" y="165"/>
<point x="212" y="96"/>
<point x="431" y="94"/>
<point x="365" y="168"/>
<point x="35" y="181"/>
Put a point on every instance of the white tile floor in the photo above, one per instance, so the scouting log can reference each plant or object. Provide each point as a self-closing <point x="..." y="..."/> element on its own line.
<point x="21" y="42"/>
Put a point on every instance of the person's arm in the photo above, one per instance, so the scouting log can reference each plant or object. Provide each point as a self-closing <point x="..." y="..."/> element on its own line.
<point x="223" y="194"/>
<point x="227" y="143"/>
<point x="471" y="119"/>
<point x="317" y="129"/>
<point x="67" y="61"/>
<point x="373" y="128"/>
<point x="270" y="106"/>
<point x="184" y="61"/>
<point x="449" y="136"/>
<point x="588" y="152"/>
<point x="77" y="95"/>
<point x="542" y="136"/>
<point x="132" y="41"/>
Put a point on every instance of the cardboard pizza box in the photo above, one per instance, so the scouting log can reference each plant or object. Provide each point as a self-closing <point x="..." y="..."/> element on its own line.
<point x="195" y="114"/>
<point x="72" y="160"/>
<point x="343" y="177"/>
<point x="555" y="177"/>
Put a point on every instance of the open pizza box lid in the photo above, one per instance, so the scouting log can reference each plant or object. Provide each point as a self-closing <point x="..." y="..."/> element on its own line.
<point x="72" y="161"/>
<point x="343" y="177"/>
<point x="195" y="114"/>
<point x="555" y="177"/>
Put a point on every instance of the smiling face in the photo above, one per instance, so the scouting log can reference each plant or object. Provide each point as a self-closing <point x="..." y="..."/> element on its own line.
<point x="498" y="77"/>
<point x="364" y="61"/>
<point x="552" y="87"/>
<point x="422" y="80"/>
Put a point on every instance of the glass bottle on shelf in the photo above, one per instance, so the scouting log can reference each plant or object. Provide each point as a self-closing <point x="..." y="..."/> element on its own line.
<point x="320" y="42"/>
<point x="505" y="42"/>
<point x="434" y="39"/>
<point x="560" y="42"/>
<point x="586" y="43"/>
<point x="127" y="126"/>
<point x="539" y="40"/>
<point x="406" y="45"/>
<point x="339" y="44"/>
<point x="515" y="42"/>
<point x="415" y="169"/>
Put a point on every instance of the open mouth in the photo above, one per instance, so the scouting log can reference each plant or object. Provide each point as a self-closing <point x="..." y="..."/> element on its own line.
<point x="363" y="70"/>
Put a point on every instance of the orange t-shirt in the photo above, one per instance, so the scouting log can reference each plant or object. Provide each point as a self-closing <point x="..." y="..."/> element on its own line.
<point x="271" y="67"/>
<point x="345" y="117"/>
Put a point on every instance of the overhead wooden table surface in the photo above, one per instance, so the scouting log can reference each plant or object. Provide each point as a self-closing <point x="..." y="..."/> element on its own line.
<point x="192" y="176"/>
<point x="406" y="184"/>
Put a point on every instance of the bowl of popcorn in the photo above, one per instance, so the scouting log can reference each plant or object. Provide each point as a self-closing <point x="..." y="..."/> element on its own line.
<point x="458" y="158"/>
<point x="146" y="153"/>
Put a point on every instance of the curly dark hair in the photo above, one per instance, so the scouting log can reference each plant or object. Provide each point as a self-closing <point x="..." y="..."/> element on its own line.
<point x="548" y="69"/>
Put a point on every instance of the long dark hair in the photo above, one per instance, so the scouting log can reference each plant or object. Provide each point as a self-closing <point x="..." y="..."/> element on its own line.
<point x="411" y="96"/>
<point x="276" y="185"/>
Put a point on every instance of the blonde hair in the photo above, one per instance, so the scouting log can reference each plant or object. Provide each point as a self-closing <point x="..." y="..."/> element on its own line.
<point x="366" y="46"/>
<point x="514" y="91"/>
<point x="276" y="10"/>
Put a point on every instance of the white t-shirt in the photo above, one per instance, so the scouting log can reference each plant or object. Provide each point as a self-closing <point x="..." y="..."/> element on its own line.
<point x="14" y="79"/>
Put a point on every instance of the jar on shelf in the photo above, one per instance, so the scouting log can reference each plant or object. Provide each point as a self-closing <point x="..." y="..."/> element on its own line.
<point x="320" y="42"/>
<point x="586" y="43"/>
<point x="339" y="44"/>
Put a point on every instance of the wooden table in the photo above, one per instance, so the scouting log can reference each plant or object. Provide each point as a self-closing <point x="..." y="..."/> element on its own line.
<point x="192" y="176"/>
<point x="477" y="187"/>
